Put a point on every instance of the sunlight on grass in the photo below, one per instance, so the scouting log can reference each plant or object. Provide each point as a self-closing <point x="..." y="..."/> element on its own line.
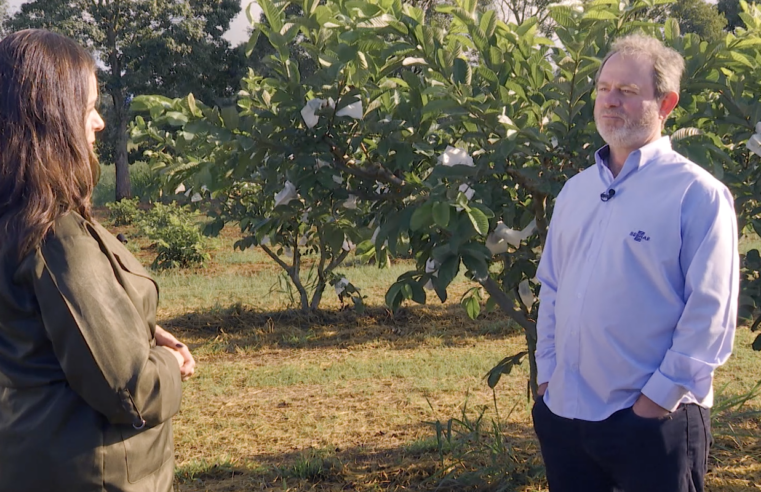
<point x="266" y="288"/>
<point x="426" y="368"/>
<point x="289" y="401"/>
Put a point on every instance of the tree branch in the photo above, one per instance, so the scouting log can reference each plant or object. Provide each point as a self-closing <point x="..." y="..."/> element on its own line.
<point x="321" y="281"/>
<point x="337" y="261"/>
<point x="376" y="171"/>
<point x="294" y="274"/>
<point x="540" y="213"/>
<point x="525" y="181"/>
<point x="507" y="303"/>
<point x="378" y="196"/>
<point x="277" y="260"/>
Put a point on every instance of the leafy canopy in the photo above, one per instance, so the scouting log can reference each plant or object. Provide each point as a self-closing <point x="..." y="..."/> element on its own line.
<point x="446" y="145"/>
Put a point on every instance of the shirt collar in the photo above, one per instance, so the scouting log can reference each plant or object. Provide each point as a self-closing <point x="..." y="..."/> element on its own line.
<point x="637" y="159"/>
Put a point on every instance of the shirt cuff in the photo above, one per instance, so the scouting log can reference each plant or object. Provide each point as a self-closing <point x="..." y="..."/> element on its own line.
<point x="544" y="369"/>
<point x="664" y="391"/>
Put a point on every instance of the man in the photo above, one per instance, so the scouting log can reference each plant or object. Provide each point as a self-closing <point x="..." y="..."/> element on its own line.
<point x="639" y="292"/>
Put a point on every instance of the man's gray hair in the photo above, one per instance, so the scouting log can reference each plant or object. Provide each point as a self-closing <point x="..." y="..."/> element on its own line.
<point x="668" y="64"/>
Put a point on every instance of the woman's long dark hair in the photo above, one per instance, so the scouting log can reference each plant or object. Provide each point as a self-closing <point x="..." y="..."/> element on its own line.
<point x="46" y="166"/>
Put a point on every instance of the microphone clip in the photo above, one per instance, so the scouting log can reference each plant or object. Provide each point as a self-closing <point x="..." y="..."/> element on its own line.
<point x="607" y="195"/>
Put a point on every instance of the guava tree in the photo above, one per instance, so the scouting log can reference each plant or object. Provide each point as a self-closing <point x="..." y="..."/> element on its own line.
<point x="445" y="145"/>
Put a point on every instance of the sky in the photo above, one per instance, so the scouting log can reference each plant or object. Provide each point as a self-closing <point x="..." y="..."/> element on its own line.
<point x="237" y="34"/>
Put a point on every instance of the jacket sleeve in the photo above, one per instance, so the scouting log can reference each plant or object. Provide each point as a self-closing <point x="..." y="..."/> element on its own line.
<point x="99" y="337"/>
<point x="704" y="334"/>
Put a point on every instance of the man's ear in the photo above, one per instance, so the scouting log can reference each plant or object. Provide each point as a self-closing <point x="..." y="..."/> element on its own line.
<point x="668" y="103"/>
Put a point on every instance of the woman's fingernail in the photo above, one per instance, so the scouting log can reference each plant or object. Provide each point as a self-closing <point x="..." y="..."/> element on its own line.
<point x="179" y="345"/>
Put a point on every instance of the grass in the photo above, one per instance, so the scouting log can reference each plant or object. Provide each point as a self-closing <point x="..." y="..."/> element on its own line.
<point x="341" y="401"/>
<point x="142" y="182"/>
<point x="257" y="284"/>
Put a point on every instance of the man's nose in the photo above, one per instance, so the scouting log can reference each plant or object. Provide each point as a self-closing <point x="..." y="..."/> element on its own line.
<point x="611" y="100"/>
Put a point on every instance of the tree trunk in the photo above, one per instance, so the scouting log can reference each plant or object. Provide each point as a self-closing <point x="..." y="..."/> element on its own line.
<point x="506" y="302"/>
<point x="115" y="87"/>
<point x="532" y="369"/>
<point x="123" y="188"/>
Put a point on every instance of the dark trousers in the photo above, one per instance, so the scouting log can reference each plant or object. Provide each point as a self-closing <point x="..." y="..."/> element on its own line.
<point x="625" y="452"/>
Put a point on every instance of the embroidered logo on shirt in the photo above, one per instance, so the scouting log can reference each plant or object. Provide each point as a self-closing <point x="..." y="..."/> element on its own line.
<point x="639" y="236"/>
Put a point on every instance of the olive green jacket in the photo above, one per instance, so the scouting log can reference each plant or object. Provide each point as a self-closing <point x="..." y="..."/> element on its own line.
<point x="80" y="370"/>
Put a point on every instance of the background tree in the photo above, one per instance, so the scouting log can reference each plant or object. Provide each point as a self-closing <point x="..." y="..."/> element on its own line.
<point x="158" y="46"/>
<point x="444" y="145"/>
<point x="518" y="11"/>
<point x="259" y="48"/>
<point x="3" y="16"/>
<point x="699" y="17"/>
<point x="731" y="10"/>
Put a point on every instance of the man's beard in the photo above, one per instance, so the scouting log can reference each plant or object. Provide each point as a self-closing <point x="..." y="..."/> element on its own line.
<point x="634" y="132"/>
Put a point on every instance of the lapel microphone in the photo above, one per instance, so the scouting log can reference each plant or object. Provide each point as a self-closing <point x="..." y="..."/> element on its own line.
<point x="607" y="195"/>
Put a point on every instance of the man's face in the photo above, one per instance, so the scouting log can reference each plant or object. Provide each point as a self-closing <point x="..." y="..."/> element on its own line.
<point x="627" y="114"/>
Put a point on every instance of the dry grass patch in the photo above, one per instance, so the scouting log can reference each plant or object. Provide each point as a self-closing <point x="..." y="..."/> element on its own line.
<point x="336" y="400"/>
<point x="363" y="393"/>
<point x="354" y="408"/>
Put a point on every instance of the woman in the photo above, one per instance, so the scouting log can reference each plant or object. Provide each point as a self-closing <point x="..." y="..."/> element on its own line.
<point x="88" y="382"/>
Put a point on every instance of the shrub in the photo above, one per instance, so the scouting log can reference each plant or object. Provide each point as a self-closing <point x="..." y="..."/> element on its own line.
<point x="105" y="190"/>
<point x="144" y="183"/>
<point x="178" y="239"/>
<point x="123" y="212"/>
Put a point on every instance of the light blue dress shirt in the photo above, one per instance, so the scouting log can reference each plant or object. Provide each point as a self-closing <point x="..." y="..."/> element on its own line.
<point x="639" y="293"/>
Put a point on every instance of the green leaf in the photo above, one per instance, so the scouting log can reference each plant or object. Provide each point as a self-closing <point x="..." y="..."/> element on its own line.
<point x="461" y="71"/>
<point x="334" y="237"/>
<point x="739" y="57"/>
<point x="475" y="249"/>
<point x="476" y="265"/>
<point x="448" y="271"/>
<point x="488" y="23"/>
<point x="422" y="217"/>
<point x="563" y="15"/>
<point x="394" y="296"/>
<point x="438" y="106"/>
<point x="479" y="220"/>
<point x="671" y="29"/>
<point x="441" y="211"/>
<point x="505" y="366"/>
<point x="472" y="305"/>
<point x="191" y="102"/>
<point x="528" y="26"/>
<point x="213" y="228"/>
<point x="483" y="208"/>
<point x="310" y="6"/>
<point x="273" y="14"/>
<point x="418" y="293"/>
<point x="251" y="44"/>
<point x="230" y="117"/>
<point x="176" y="118"/>
<point x="147" y="103"/>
